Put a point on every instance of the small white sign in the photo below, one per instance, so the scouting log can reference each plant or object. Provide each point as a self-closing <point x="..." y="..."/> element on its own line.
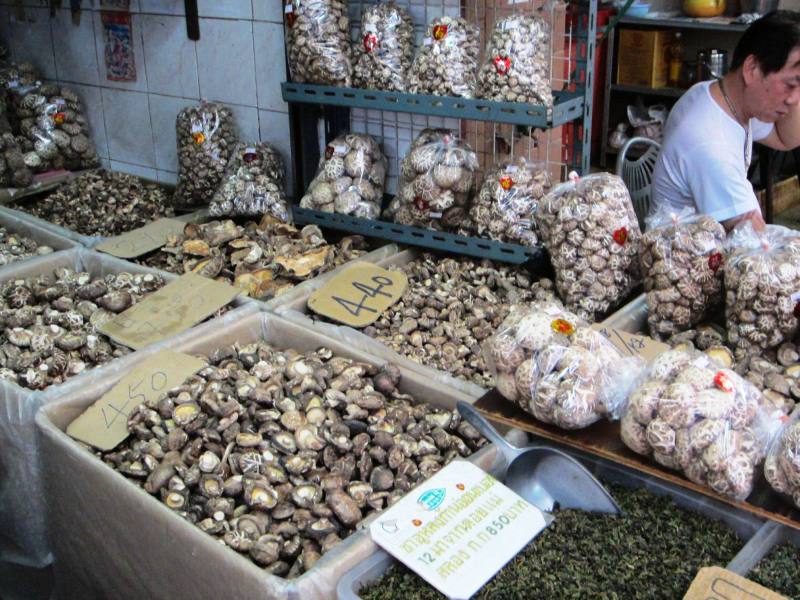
<point x="458" y="529"/>
<point x="288" y="9"/>
<point x="370" y="28"/>
<point x="795" y="297"/>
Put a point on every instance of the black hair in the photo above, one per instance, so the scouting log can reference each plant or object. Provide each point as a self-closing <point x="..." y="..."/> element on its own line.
<point x="770" y="39"/>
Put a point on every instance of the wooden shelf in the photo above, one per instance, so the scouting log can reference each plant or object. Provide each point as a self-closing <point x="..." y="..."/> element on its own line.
<point x="637" y="89"/>
<point x="685" y="23"/>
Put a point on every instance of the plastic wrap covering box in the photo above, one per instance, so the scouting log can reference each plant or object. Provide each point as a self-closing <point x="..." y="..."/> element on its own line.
<point x="112" y="539"/>
<point x="23" y="538"/>
<point x="42" y="236"/>
<point x="88" y="241"/>
<point x="744" y="524"/>
<point x="632" y="317"/>
<point x="298" y="312"/>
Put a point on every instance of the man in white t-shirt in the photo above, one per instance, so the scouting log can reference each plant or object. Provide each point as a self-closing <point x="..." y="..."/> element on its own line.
<point x="708" y="139"/>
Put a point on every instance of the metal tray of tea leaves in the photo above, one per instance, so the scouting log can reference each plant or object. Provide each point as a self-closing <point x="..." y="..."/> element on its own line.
<point x="770" y="535"/>
<point x="745" y="524"/>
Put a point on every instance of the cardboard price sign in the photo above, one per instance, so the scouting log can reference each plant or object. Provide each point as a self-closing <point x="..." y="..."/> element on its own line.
<point x="716" y="583"/>
<point x="631" y="344"/>
<point x="104" y="424"/>
<point x="143" y="240"/>
<point x="175" y="307"/>
<point x="358" y="295"/>
<point x="457" y="529"/>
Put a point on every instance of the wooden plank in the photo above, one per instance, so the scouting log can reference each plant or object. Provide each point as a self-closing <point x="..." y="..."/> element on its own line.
<point x="786" y="195"/>
<point x="602" y="439"/>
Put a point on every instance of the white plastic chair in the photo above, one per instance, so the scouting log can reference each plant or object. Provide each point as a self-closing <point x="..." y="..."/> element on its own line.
<point x="637" y="173"/>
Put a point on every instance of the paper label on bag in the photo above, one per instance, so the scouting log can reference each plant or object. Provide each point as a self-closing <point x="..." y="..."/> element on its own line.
<point x="142" y="240"/>
<point x="174" y="308"/>
<point x="631" y="344"/>
<point x="359" y="294"/>
<point x="104" y="424"/>
<point x="795" y="297"/>
<point x="716" y="583"/>
<point x="458" y="528"/>
<point x="370" y="28"/>
<point x="289" y="8"/>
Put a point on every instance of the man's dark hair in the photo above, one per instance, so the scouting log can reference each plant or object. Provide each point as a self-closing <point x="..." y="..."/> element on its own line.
<point x="770" y="39"/>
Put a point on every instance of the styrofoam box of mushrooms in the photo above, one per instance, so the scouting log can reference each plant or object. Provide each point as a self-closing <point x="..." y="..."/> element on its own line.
<point x="115" y="519"/>
<point x="308" y="259"/>
<point x="423" y="338"/>
<point x="21" y="504"/>
<point x="22" y="240"/>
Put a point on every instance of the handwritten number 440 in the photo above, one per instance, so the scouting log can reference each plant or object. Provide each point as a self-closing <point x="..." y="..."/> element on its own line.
<point x="355" y="308"/>
<point x="111" y="413"/>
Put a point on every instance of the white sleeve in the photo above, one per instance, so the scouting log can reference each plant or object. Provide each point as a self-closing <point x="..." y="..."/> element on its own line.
<point x="760" y="129"/>
<point x="719" y="188"/>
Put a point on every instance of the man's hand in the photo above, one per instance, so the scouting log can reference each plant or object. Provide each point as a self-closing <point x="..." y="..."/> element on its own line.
<point x="754" y="216"/>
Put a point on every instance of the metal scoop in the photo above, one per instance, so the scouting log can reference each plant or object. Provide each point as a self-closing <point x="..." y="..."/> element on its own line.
<point x="545" y="477"/>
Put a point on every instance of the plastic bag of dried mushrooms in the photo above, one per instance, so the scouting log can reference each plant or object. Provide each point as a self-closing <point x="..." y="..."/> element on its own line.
<point x="384" y="55"/>
<point x="350" y="178"/>
<point x="503" y="209"/>
<point x="693" y="415"/>
<point x="762" y="283"/>
<point x="206" y="136"/>
<point x="319" y="42"/>
<point x="437" y="179"/>
<point x="516" y="64"/>
<point x="782" y="465"/>
<point x="253" y="184"/>
<point x="54" y="130"/>
<point x="446" y="63"/>
<point x="682" y="260"/>
<point x="592" y="234"/>
<point x="13" y="170"/>
<point x="555" y="366"/>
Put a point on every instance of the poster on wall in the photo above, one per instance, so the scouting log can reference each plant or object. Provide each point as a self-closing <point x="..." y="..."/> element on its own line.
<point x="118" y="36"/>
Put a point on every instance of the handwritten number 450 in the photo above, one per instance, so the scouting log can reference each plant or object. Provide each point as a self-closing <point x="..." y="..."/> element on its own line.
<point x="158" y="381"/>
<point x="355" y="308"/>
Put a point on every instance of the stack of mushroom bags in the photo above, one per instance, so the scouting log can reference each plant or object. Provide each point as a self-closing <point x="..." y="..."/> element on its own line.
<point x="557" y="367"/>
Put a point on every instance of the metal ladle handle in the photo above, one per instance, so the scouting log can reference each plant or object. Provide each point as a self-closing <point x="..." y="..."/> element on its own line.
<point x="477" y="420"/>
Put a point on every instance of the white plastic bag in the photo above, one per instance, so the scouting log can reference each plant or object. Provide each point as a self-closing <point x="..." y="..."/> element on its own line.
<point x="592" y="234"/>
<point x="437" y="179"/>
<point x="447" y="62"/>
<point x="350" y="178"/>
<point x="318" y="42"/>
<point x="516" y="65"/>
<point x="762" y="283"/>
<point x="682" y="260"/>
<point x="384" y="54"/>
<point x="782" y="465"/>
<point x="695" y="416"/>
<point x="503" y="209"/>
<point x="253" y="184"/>
<point x="557" y="368"/>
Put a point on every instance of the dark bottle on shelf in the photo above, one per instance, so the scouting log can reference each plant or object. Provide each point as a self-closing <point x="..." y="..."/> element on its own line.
<point x="675" y="60"/>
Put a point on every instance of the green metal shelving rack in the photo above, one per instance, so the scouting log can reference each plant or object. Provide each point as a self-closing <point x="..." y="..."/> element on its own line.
<point x="308" y="104"/>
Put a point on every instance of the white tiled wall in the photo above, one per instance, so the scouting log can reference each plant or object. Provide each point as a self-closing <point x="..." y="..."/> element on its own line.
<point x="238" y="60"/>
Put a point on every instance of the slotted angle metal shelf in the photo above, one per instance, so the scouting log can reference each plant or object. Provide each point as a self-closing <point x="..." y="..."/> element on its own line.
<point x="567" y="106"/>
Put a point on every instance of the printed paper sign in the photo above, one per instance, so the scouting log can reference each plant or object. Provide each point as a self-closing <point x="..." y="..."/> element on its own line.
<point x="105" y="423"/>
<point x="142" y="240"/>
<point x="175" y="307"/>
<point x="716" y="583"/>
<point x="631" y="344"/>
<point x="458" y="529"/>
<point x="358" y="295"/>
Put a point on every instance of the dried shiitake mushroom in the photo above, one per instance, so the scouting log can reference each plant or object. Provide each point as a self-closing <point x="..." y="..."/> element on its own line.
<point x="318" y="43"/>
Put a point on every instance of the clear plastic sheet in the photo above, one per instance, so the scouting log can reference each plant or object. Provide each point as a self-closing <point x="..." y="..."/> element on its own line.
<point x="516" y="64"/>
<point x="695" y="416"/>
<point x="556" y="367"/>
<point x="384" y="56"/>
<point x="592" y="234"/>
<point x="762" y="283"/>
<point x="437" y="180"/>
<point x="206" y="137"/>
<point x="504" y="208"/>
<point x="447" y="62"/>
<point x="253" y="184"/>
<point x="350" y="179"/>
<point x="682" y="261"/>
<point x="88" y="499"/>
<point x="318" y="42"/>
<point x="782" y="465"/>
